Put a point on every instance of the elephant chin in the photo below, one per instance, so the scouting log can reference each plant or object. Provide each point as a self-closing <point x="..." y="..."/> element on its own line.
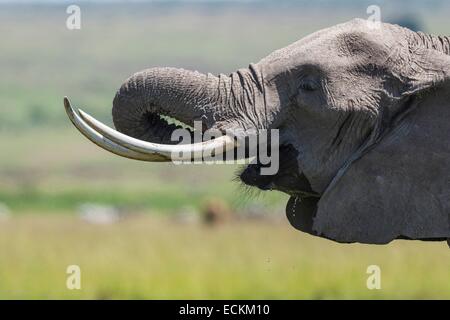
<point x="302" y="205"/>
<point x="301" y="212"/>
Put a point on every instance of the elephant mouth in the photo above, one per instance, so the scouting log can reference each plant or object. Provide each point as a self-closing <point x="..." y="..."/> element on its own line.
<point x="288" y="179"/>
<point x="293" y="185"/>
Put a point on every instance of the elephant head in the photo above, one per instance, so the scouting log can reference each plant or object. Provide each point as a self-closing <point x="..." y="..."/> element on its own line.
<point x="363" y="115"/>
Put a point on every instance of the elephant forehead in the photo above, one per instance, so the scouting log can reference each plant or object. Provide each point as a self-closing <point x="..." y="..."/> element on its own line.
<point x="305" y="47"/>
<point x="356" y="38"/>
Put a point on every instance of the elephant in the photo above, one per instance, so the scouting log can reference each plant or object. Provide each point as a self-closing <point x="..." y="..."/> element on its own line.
<point x="363" y="115"/>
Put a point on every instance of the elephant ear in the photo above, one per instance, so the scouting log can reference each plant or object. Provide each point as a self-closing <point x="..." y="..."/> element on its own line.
<point x="399" y="187"/>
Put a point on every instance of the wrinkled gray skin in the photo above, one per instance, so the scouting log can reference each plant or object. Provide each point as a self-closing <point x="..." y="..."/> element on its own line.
<point x="364" y="120"/>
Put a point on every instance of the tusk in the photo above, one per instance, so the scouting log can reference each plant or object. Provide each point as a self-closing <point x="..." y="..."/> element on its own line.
<point x="103" y="142"/>
<point x="179" y="152"/>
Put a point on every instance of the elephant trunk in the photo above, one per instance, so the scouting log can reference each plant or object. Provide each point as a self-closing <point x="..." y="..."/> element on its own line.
<point x="180" y="94"/>
<point x="143" y="103"/>
<point x="187" y="96"/>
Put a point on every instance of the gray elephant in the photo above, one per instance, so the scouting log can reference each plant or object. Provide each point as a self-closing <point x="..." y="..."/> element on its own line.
<point x="363" y="112"/>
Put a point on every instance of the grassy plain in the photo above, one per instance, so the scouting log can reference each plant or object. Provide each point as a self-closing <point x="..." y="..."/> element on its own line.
<point x="148" y="257"/>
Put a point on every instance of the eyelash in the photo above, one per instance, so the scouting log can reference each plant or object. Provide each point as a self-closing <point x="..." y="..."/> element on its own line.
<point x="308" y="86"/>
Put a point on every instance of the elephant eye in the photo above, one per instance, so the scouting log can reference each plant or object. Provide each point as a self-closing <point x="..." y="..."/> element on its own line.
<point x="309" y="85"/>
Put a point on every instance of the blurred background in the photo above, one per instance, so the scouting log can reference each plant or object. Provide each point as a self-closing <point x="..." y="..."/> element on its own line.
<point x="141" y="230"/>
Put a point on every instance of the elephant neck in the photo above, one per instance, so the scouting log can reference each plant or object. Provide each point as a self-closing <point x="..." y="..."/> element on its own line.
<point x="439" y="43"/>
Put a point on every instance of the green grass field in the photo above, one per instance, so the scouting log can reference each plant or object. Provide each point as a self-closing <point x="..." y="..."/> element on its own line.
<point x="147" y="257"/>
<point x="47" y="169"/>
